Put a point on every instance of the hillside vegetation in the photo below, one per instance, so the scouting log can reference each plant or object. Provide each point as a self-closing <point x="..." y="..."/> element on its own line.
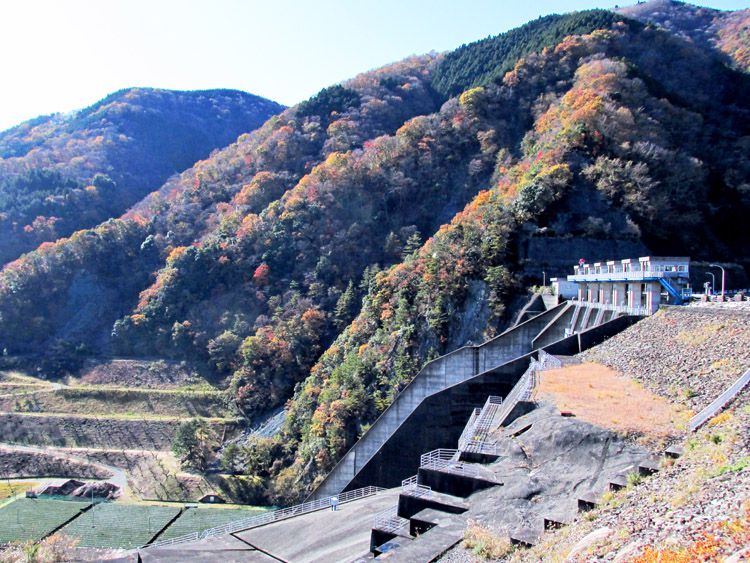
<point x="61" y="173"/>
<point x="318" y="261"/>
<point x="602" y="140"/>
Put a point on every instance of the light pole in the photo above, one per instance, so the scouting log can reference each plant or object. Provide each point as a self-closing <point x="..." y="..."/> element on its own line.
<point x="713" y="281"/>
<point x="544" y="278"/>
<point x="723" y="278"/>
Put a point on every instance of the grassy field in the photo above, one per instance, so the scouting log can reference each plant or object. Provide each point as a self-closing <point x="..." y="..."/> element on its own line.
<point x="12" y="488"/>
<point x="202" y="518"/>
<point x="32" y="519"/>
<point x="119" y="526"/>
<point x="116" y="401"/>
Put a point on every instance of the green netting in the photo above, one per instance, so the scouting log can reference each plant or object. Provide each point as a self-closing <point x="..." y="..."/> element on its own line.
<point x="119" y="526"/>
<point x="32" y="519"/>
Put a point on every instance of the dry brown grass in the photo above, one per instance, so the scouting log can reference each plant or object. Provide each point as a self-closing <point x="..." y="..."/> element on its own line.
<point x="482" y="542"/>
<point x="597" y="394"/>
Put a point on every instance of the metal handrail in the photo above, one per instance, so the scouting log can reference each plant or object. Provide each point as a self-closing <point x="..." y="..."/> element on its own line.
<point x="412" y="487"/>
<point x="720" y="402"/>
<point x="468" y="429"/>
<point x="474" y="440"/>
<point x="269" y="517"/>
<point x="389" y="521"/>
<point x="447" y="459"/>
<point x="548" y="361"/>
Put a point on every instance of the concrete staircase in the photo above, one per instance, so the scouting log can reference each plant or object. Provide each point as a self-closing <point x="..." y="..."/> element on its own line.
<point x="496" y="365"/>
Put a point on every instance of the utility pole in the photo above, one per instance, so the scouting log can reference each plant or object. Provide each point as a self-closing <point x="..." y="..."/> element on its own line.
<point x="723" y="278"/>
<point x="544" y="278"/>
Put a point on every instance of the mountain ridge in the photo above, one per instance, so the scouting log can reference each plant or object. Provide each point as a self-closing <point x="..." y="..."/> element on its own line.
<point x="63" y="172"/>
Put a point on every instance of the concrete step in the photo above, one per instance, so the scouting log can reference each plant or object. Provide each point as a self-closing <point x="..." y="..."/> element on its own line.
<point x="552" y="522"/>
<point x="587" y="501"/>
<point x="410" y="504"/>
<point x="618" y="482"/>
<point x="674" y="451"/>
<point x="430" y="545"/>
<point x="649" y="467"/>
<point x="427" y="519"/>
<point x="478" y="457"/>
<point x="453" y="482"/>
<point x="525" y="536"/>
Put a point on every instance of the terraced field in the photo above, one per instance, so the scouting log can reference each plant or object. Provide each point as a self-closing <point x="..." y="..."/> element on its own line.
<point x="199" y="519"/>
<point x="112" y="400"/>
<point x="119" y="526"/>
<point x="32" y="519"/>
<point x="121" y="413"/>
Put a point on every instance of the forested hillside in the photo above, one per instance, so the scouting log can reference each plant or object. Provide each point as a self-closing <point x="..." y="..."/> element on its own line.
<point x="62" y="173"/>
<point x="725" y="32"/>
<point x="321" y="259"/>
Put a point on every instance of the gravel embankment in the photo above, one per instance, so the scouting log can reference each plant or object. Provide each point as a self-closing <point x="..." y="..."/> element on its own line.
<point x="697" y="507"/>
<point x="688" y="502"/>
<point x="689" y="355"/>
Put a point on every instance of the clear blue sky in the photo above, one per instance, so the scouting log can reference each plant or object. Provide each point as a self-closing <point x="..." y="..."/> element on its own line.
<point x="59" y="55"/>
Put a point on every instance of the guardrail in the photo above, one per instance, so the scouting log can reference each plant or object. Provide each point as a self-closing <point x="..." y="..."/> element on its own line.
<point x="475" y="439"/>
<point x="720" y="402"/>
<point x="626" y="276"/>
<point x="548" y="361"/>
<point x="469" y="428"/>
<point x="269" y="517"/>
<point x="636" y="311"/>
<point x="447" y="459"/>
<point x="411" y="486"/>
<point x="389" y="521"/>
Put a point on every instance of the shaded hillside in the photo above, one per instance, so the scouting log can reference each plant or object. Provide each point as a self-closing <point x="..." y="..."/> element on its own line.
<point x="727" y="32"/>
<point x="487" y="60"/>
<point x="61" y="173"/>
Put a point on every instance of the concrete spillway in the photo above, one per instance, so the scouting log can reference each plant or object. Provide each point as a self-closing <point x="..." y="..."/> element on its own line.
<point x="431" y="411"/>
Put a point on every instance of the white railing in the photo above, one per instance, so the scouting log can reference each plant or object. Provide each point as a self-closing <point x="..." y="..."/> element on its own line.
<point x="521" y="392"/>
<point x="468" y="429"/>
<point x="626" y="276"/>
<point x="638" y="311"/>
<point x="412" y="487"/>
<point x="475" y="440"/>
<point x="389" y="521"/>
<point x="447" y="459"/>
<point x="269" y="517"/>
<point x="548" y="361"/>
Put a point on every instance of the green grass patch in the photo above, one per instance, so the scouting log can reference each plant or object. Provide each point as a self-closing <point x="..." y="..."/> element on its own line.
<point x="119" y="526"/>
<point x="33" y="519"/>
<point x="12" y="488"/>
<point x="739" y="465"/>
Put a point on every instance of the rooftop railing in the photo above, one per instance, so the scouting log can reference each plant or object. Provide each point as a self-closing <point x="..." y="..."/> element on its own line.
<point x="639" y="275"/>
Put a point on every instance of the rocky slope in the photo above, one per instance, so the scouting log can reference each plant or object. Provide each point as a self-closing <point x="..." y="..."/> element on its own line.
<point x="696" y="508"/>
